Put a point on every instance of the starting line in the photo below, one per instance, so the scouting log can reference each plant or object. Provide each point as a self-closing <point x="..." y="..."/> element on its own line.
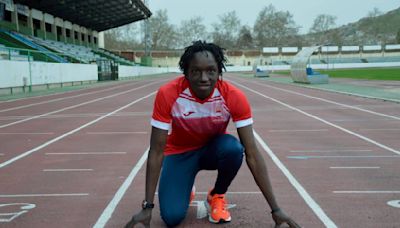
<point x="202" y="208"/>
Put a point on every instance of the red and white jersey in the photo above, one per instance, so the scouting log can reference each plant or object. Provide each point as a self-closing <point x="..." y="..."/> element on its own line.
<point x="192" y="122"/>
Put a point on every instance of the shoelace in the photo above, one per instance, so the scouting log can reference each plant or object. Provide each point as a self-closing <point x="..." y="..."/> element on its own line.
<point x="218" y="202"/>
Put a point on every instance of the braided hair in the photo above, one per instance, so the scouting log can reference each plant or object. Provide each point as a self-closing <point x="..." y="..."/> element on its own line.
<point x="200" y="46"/>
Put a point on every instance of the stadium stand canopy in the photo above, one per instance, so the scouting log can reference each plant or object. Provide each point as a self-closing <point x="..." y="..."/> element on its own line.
<point x="98" y="15"/>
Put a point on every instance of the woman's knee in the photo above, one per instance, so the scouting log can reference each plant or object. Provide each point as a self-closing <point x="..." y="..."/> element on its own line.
<point x="229" y="145"/>
<point x="173" y="217"/>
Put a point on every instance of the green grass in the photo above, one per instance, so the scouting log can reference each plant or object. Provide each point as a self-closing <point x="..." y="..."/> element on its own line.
<point x="370" y="73"/>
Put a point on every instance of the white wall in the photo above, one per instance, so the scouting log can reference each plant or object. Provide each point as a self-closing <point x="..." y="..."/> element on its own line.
<point x="12" y="73"/>
<point x="132" y="71"/>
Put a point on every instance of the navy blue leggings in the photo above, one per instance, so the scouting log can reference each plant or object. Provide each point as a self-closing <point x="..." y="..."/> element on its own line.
<point x="224" y="153"/>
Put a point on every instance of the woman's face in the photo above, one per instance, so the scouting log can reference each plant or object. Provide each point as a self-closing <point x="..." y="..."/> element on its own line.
<point x="202" y="74"/>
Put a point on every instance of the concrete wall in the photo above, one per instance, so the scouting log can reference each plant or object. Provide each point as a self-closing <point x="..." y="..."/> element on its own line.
<point x="16" y="73"/>
<point x="134" y="71"/>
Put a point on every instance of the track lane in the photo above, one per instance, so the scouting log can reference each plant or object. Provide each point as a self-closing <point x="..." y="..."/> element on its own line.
<point x="108" y="173"/>
<point x="315" y="173"/>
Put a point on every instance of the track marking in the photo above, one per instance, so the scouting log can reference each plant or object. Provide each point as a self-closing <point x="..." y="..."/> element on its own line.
<point x="78" y="105"/>
<point x="354" y="167"/>
<point x="43" y="195"/>
<point x="232" y="193"/>
<point x="203" y="208"/>
<point x="366" y="192"/>
<point x="117" y="133"/>
<point x="323" y="120"/>
<point x="388" y="129"/>
<point x="10" y="216"/>
<point x="61" y="98"/>
<point x="329" y="151"/>
<point x="67" y="170"/>
<point x="3" y="164"/>
<point x="52" y="94"/>
<point x="229" y="193"/>
<point x="332" y="102"/>
<point x="85" y="153"/>
<point x="1" y="154"/>
<point x="26" y="133"/>
<point x="77" y="115"/>
<point x="304" y="130"/>
<point x="106" y="215"/>
<point x="345" y="156"/>
<point x="359" y="120"/>
<point x="300" y="189"/>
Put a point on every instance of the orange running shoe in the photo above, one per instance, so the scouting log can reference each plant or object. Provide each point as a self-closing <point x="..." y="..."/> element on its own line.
<point x="218" y="212"/>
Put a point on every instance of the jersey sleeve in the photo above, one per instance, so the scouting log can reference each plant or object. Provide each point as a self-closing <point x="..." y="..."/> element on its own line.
<point x="239" y="107"/>
<point x="161" y="117"/>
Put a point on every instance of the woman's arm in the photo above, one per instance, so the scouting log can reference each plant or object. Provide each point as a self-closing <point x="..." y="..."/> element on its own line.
<point x="258" y="168"/>
<point x="257" y="165"/>
<point x="154" y="161"/>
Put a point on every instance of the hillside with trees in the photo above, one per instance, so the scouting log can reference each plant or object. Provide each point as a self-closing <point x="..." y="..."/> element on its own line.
<point x="272" y="27"/>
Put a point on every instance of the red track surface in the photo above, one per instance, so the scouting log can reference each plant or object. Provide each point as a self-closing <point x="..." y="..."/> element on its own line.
<point x="65" y="158"/>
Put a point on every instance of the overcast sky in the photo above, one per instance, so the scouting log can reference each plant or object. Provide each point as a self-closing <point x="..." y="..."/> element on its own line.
<point x="303" y="11"/>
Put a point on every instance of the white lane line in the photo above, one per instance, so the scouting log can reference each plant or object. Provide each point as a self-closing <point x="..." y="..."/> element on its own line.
<point x="1" y="154"/>
<point x="322" y="120"/>
<point x="60" y="99"/>
<point x="26" y="133"/>
<point x="78" y="115"/>
<point x="382" y="129"/>
<point x="43" y="195"/>
<point x="300" y="189"/>
<point x="85" y="153"/>
<point x="60" y="93"/>
<point x="359" y="120"/>
<point x="366" y="192"/>
<point x="331" y="102"/>
<point x="78" y="105"/>
<point x="106" y="215"/>
<point x="67" y="170"/>
<point x="303" y="130"/>
<point x="3" y="164"/>
<point x="232" y="193"/>
<point x="355" y="167"/>
<point x="116" y="132"/>
<point x="329" y="151"/>
<point x="346" y="156"/>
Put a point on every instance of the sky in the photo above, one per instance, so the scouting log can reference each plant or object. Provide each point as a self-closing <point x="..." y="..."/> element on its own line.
<point x="304" y="12"/>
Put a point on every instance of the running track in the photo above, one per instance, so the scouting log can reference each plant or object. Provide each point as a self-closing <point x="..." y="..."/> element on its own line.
<point x="77" y="159"/>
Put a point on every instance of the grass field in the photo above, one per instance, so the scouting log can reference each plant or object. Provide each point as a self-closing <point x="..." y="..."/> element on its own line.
<point x="370" y="73"/>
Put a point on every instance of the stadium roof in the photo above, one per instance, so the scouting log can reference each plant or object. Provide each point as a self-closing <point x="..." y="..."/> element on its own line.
<point x="98" y="15"/>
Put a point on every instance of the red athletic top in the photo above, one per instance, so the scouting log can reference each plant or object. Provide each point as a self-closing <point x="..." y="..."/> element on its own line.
<point x="192" y="122"/>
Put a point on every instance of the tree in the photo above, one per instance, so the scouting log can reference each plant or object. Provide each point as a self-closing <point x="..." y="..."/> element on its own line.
<point x="163" y="34"/>
<point x="322" y="28"/>
<point x="226" y="31"/>
<point x="245" y="39"/>
<point x="374" y="12"/>
<point x="398" y="37"/>
<point x="124" y="37"/>
<point x="192" y="30"/>
<point x="272" y="27"/>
